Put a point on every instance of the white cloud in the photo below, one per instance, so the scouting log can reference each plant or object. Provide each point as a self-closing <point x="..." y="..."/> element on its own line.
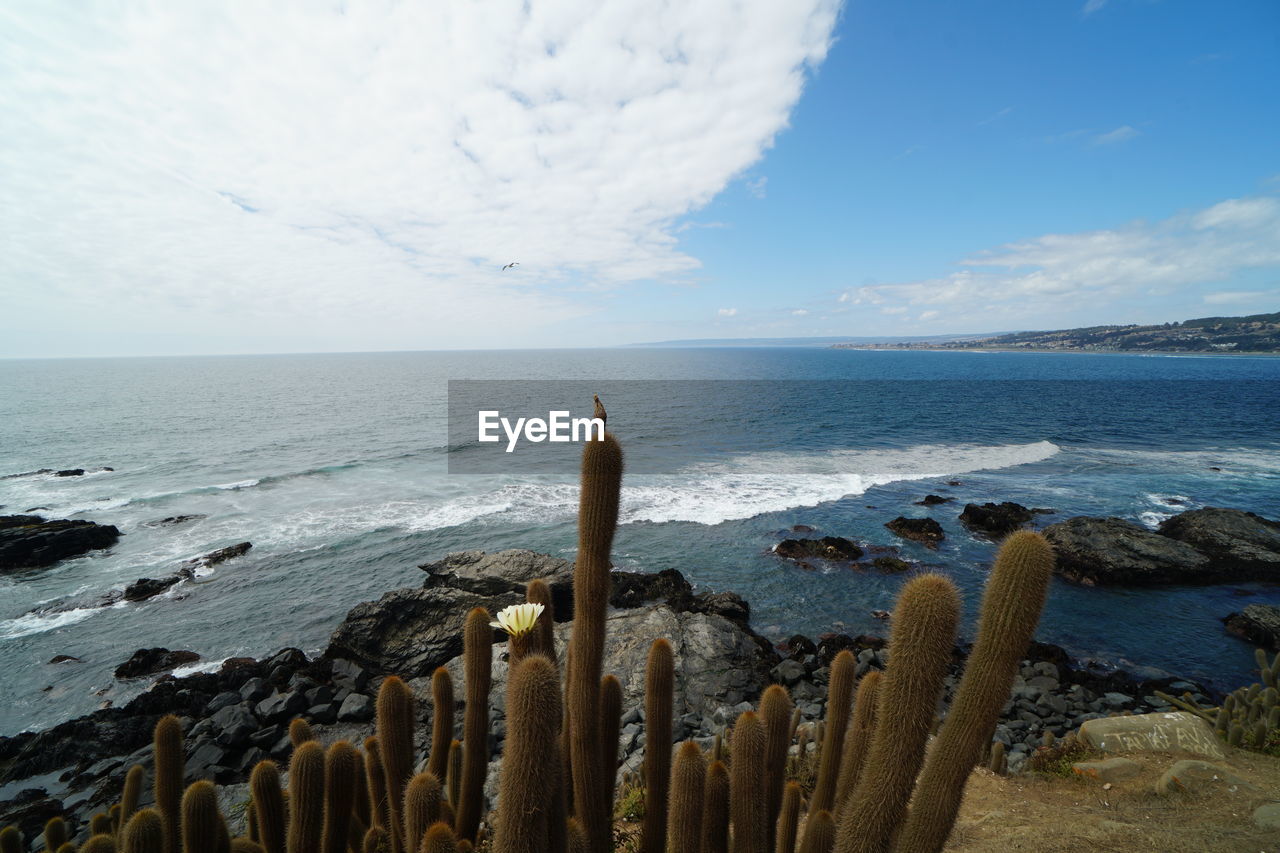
<point x="1242" y="297"/>
<point x="757" y="186"/>
<point x="925" y="316"/>
<point x="727" y="312"/>
<point x="800" y="312"/>
<point x="326" y="168"/>
<point x="1121" y="134"/>
<point x="1062" y="271"/>
<point x="1092" y="6"/>
<point x="996" y="117"/>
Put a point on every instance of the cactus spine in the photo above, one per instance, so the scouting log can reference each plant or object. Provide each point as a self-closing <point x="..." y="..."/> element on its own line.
<point x="169" y="758"/>
<point x="788" y="819"/>
<point x="268" y="806"/>
<point x="10" y="840"/>
<point x="306" y="798"/>
<point x="610" y="726"/>
<point x="203" y="830"/>
<point x="775" y="713"/>
<point x="529" y="772"/>
<point x="376" y="840"/>
<point x="132" y="790"/>
<point x="747" y="806"/>
<point x="538" y="592"/>
<point x="144" y="833"/>
<point x="300" y="732"/>
<point x="55" y="834"/>
<point x="839" y="703"/>
<point x="453" y="779"/>
<point x="477" y="645"/>
<point x="998" y="763"/>
<point x="684" y="813"/>
<point x="101" y="842"/>
<point x="439" y="838"/>
<point x="441" y="722"/>
<point x="421" y="809"/>
<point x="395" y="748"/>
<point x="1011" y="606"/>
<point x="715" y="809"/>
<point x="376" y="779"/>
<point x="858" y="738"/>
<point x="920" y="642"/>
<point x="819" y="833"/>
<point x="658" y="687"/>
<point x="340" y="765"/>
<point x="597" y="520"/>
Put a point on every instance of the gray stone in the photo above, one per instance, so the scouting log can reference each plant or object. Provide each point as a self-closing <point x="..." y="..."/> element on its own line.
<point x="1267" y="816"/>
<point x="350" y="675"/>
<point x="1165" y="732"/>
<point x="1106" y="551"/>
<point x="204" y="757"/>
<point x="356" y="708"/>
<point x="235" y="724"/>
<point x="788" y="672"/>
<point x="1240" y="545"/>
<point x="255" y="690"/>
<point x="281" y="707"/>
<point x="1191" y="776"/>
<point x="223" y="700"/>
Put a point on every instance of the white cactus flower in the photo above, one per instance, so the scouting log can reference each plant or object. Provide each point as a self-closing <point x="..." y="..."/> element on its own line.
<point x="518" y="619"/>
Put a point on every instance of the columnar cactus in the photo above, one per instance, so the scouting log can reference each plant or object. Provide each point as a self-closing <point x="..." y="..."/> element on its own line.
<point x="684" y="813"/>
<point x="421" y="809"/>
<point x="268" y="806"/>
<point x="529" y="772"/>
<point x="203" y="829"/>
<point x="858" y="738"/>
<point x="819" y="833"/>
<point x="395" y="749"/>
<point x="132" y="791"/>
<point x="340" y="765"/>
<point x="477" y="644"/>
<point x="144" y="833"/>
<point x="839" y="702"/>
<point x="747" y="806"/>
<point x="659" y="677"/>
<point x="715" y="809"/>
<point x="306" y="798"/>
<point x="169" y="765"/>
<point x="788" y="819"/>
<point x="441" y="722"/>
<point x="775" y="713"/>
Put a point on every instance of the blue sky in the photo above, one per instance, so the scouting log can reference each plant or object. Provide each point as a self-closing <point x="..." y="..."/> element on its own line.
<point x="205" y="179"/>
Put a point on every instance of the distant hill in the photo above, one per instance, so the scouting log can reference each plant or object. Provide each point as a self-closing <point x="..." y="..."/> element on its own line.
<point x="1257" y="333"/>
<point x="843" y="341"/>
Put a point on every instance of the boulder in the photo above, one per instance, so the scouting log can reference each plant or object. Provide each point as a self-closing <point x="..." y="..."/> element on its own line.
<point x="1106" y="551"/>
<point x="144" y="588"/>
<point x="503" y="572"/>
<point x="1267" y="816"/>
<point x="221" y="555"/>
<point x="172" y="520"/>
<point x="825" y="548"/>
<point x="150" y="661"/>
<point x="995" y="520"/>
<point x="28" y="541"/>
<point x="1177" y="731"/>
<point x="70" y="472"/>
<point x="1191" y="776"/>
<point x="933" y="500"/>
<point x="1108" y="770"/>
<point x="926" y="531"/>
<point x="1240" y="544"/>
<point x="1257" y="623"/>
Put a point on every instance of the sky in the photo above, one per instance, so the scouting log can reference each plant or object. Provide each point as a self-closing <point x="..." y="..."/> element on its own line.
<point x="237" y="177"/>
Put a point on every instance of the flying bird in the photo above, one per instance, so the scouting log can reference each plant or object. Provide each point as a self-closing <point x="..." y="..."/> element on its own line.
<point x="510" y="265"/>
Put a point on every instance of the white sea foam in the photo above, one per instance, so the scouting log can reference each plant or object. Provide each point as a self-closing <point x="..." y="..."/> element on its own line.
<point x="199" y="666"/>
<point x="38" y="623"/>
<point x="239" y="484"/>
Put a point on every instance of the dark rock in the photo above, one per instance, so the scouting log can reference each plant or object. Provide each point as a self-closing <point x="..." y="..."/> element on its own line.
<point x="349" y="675"/>
<point x="144" y="588"/>
<point x="70" y="472"/>
<point x="802" y="528"/>
<point x="221" y="555"/>
<point x="255" y="690"/>
<point x="1107" y="551"/>
<point x="173" y="519"/>
<point x="234" y="725"/>
<point x="204" y="759"/>
<point x="268" y="737"/>
<point x="28" y="541"/>
<point x="150" y="661"/>
<point x="891" y="564"/>
<point x="1257" y="623"/>
<point x="356" y="708"/>
<point x="1239" y="543"/>
<point x="281" y="707"/>
<point x="64" y="659"/>
<point x="926" y="531"/>
<point x="826" y="548"/>
<point x="995" y="520"/>
<point x="291" y="659"/>
<point x="503" y="572"/>
<point x="933" y="500"/>
<point x="223" y="700"/>
<point x="322" y="714"/>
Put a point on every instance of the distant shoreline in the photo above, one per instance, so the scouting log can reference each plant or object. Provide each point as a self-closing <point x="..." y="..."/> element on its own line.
<point x="1053" y="351"/>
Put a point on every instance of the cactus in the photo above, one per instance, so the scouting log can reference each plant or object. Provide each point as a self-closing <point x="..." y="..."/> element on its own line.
<point x="376" y="840"/>
<point x="715" y="809"/>
<point x="245" y="845"/>
<point x="923" y="632"/>
<point x="819" y="833"/>
<point x="658" y="687"/>
<point x="747" y="794"/>
<point x="1011" y="606"/>
<point x="441" y="722"/>
<point x="577" y="837"/>
<point x="610" y="726"/>
<point x="100" y="842"/>
<point x="438" y="838"/>
<point x="529" y="759"/>
<point x="998" y="763"/>
<point x="421" y="809"/>
<point x="858" y="737"/>
<point x="376" y="780"/>
<point x="55" y="834"/>
<point x="684" y="813"/>
<point x="788" y="819"/>
<point x="340" y="765"/>
<point x="144" y="833"/>
<point x="538" y="592"/>
<point x="132" y="790"/>
<point x="453" y="779"/>
<point x="395" y="749"/>
<point x="597" y="521"/>
<point x="203" y="829"/>
<point x="100" y="824"/>
<point x="306" y="798"/>
<point x="839" y="704"/>
<point x="169" y="764"/>
<point x="268" y="806"/>
<point x="300" y="732"/>
<point x="11" y="840"/>
<point x="775" y="713"/>
<point x="477" y="643"/>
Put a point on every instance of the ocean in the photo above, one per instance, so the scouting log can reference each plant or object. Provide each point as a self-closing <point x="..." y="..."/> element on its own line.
<point x="336" y="468"/>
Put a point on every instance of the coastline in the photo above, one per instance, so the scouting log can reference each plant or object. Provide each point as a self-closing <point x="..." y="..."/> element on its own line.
<point x="1054" y="351"/>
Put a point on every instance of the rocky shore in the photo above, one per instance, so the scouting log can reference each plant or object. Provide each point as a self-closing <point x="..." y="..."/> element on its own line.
<point x="239" y="715"/>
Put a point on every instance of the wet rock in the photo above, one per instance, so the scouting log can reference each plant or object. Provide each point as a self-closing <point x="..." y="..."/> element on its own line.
<point x="825" y="548"/>
<point x="144" y="588"/>
<point x="70" y="472"/>
<point x="64" y="659"/>
<point x="926" y="531"/>
<point x="173" y="519"/>
<point x="28" y="541"/>
<point x="221" y="555"/>
<point x="1112" y="551"/>
<point x="891" y="564"/>
<point x="1240" y="544"/>
<point x="933" y="500"/>
<point x="1257" y="623"/>
<point x="150" y="661"/>
<point x="995" y="520"/>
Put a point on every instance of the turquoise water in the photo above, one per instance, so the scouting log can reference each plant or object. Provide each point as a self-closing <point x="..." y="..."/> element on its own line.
<point x="335" y="467"/>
